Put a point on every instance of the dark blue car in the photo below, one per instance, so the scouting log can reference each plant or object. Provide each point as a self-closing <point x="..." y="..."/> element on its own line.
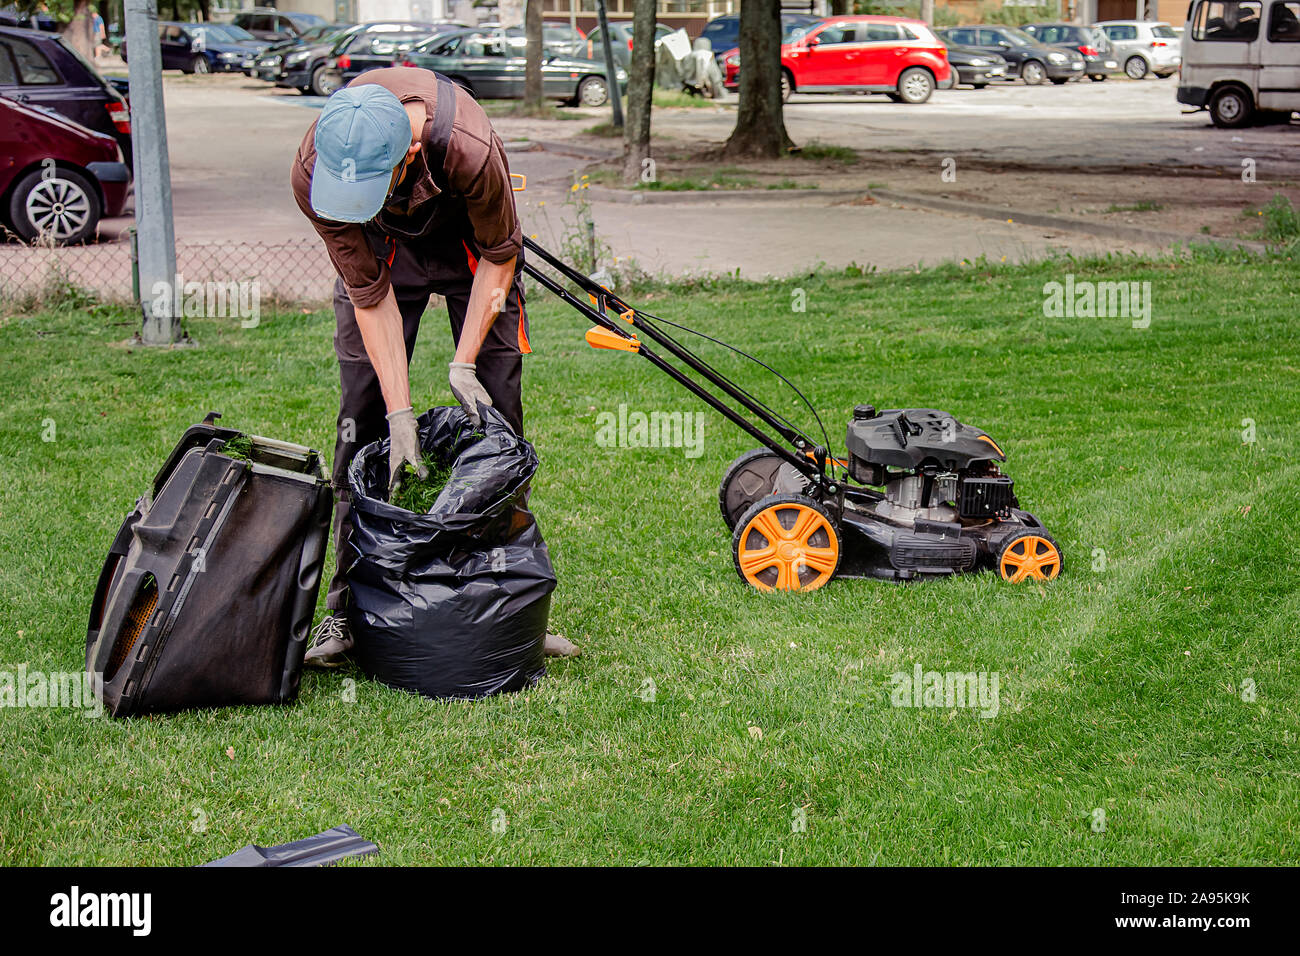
<point x="204" y="47"/>
<point x="723" y="32"/>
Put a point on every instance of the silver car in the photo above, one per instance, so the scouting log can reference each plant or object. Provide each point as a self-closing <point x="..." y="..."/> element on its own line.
<point x="1143" y="46"/>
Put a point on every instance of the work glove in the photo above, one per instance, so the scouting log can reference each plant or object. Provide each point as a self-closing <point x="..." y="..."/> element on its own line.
<point x="403" y="446"/>
<point x="469" y="391"/>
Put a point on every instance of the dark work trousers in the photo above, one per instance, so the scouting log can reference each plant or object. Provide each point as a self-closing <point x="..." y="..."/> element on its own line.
<point x="418" y="269"/>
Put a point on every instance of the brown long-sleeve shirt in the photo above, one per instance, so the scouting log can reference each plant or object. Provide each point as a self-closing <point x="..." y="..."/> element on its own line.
<point x="475" y="168"/>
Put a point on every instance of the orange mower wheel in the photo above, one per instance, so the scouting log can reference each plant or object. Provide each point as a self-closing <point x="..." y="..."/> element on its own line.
<point x="786" y="543"/>
<point x="1029" y="554"/>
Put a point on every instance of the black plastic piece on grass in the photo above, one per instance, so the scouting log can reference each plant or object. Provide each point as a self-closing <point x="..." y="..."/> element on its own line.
<point x="322" y="849"/>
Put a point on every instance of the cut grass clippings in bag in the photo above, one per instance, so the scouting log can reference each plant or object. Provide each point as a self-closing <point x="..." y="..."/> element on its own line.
<point x="239" y="448"/>
<point x="417" y="494"/>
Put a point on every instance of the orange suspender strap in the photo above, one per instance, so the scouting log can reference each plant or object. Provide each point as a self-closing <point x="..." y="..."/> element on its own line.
<point x="524" y="347"/>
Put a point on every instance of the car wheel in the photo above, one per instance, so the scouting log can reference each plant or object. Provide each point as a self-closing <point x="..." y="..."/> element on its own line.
<point x="62" y="207"/>
<point x="199" y="65"/>
<point x="1061" y="82"/>
<point x="787" y="86"/>
<point x="324" y="81"/>
<point x="979" y="86"/>
<point x="1136" y="67"/>
<point x="1230" y="107"/>
<point x="1097" y="77"/>
<point x="1033" y="73"/>
<point x="915" y="85"/>
<point x="593" y="91"/>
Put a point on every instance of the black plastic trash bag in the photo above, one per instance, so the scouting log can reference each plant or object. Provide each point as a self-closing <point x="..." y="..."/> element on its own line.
<point x="453" y="603"/>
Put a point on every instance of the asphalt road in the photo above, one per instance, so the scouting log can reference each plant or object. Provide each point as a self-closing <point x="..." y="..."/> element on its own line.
<point x="232" y="140"/>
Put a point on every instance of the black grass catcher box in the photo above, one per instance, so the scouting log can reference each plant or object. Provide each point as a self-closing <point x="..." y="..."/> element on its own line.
<point x="207" y="594"/>
<point x="453" y="602"/>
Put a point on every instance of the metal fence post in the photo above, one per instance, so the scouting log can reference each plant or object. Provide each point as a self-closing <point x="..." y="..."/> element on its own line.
<point x="135" y="266"/>
<point x="611" y="69"/>
<point x="156" y="236"/>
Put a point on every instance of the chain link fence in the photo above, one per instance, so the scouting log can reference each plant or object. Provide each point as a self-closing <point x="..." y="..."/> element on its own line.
<point x="293" y="271"/>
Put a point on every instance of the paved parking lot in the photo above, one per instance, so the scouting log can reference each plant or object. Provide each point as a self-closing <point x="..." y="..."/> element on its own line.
<point x="1051" y="148"/>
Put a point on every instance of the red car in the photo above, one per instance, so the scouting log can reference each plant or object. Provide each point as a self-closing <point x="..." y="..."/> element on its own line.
<point x="892" y="55"/>
<point x="57" y="179"/>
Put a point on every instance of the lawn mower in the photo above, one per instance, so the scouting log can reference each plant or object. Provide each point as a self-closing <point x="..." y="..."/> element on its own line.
<point x="920" y="494"/>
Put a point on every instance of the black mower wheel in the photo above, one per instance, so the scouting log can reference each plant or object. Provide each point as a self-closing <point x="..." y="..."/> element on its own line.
<point x="1031" y="553"/>
<point x="786" y="543"/>
<point x="755" y="474"/>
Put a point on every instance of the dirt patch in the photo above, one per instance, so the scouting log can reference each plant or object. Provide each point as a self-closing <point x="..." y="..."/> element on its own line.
<point x="1190" y="200"/>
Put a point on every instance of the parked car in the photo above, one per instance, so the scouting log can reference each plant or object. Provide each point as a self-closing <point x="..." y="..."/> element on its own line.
<point x="1145" y="46"/>
<point x="63" y="201"/>
<point x="371" y="46"/>
<point x="1098" y="56"/>
<point x="558" y="38"/>
<point x="620" y="40"/>
<point x="268" y="23"/>
<point x="42" y="69"/>
<point x="1237" y="71"/>
<point x="203" y="47"/>
<point x="278" y="48"/>
<point x="490" y="67"/>
<point x="723" y="32"/>
<point x="977" y="68"/>
<point x="864" y="54"/>
<point x="303" y="64"/>
<point x="1031" y="61"/>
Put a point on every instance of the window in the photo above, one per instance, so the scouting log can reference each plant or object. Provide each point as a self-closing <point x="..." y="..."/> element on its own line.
<point x="1227" y="20"/>
<point x="1284" y="22"/>
<point x="1122" y="31"/>
<point x="8" y="76"/>
<point x="992" y="38"/>
<point x="877" y="32"/>
<point x="962" y="37"/>
<point x="1164" y="32"/>
<point x="32" y="67"/>
<point x="836" y="33"/>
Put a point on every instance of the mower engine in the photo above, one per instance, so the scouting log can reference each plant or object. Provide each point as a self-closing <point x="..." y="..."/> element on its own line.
<point x="945" y="507"/>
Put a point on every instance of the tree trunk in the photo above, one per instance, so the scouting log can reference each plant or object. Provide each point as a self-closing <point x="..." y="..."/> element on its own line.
<point x="80" y="30"/>
<point x="533" y="55"/>
<point x="640" y="92"/>
<point x="927" y="11"/>
<point x="760" y="127"/>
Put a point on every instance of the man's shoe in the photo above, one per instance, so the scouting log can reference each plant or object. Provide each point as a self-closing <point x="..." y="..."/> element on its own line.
<point x="330" y="643"/>
<point x="557" y="646"/>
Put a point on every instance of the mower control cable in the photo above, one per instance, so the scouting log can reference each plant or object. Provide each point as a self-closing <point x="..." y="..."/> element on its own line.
<point x="811" y="460"/>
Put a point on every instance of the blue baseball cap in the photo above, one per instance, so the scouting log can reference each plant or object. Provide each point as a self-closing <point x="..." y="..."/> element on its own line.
<point x="361" y="136"/>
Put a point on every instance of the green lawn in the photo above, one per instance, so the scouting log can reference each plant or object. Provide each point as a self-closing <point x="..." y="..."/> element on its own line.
<point x="1121" y="689"/>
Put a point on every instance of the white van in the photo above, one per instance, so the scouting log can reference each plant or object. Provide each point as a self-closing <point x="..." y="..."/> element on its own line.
<point x="1241" y="60"/>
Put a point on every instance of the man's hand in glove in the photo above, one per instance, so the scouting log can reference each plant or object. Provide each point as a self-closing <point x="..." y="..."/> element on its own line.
<point x="403" y="447"/>
<point x="469" y="391"/>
